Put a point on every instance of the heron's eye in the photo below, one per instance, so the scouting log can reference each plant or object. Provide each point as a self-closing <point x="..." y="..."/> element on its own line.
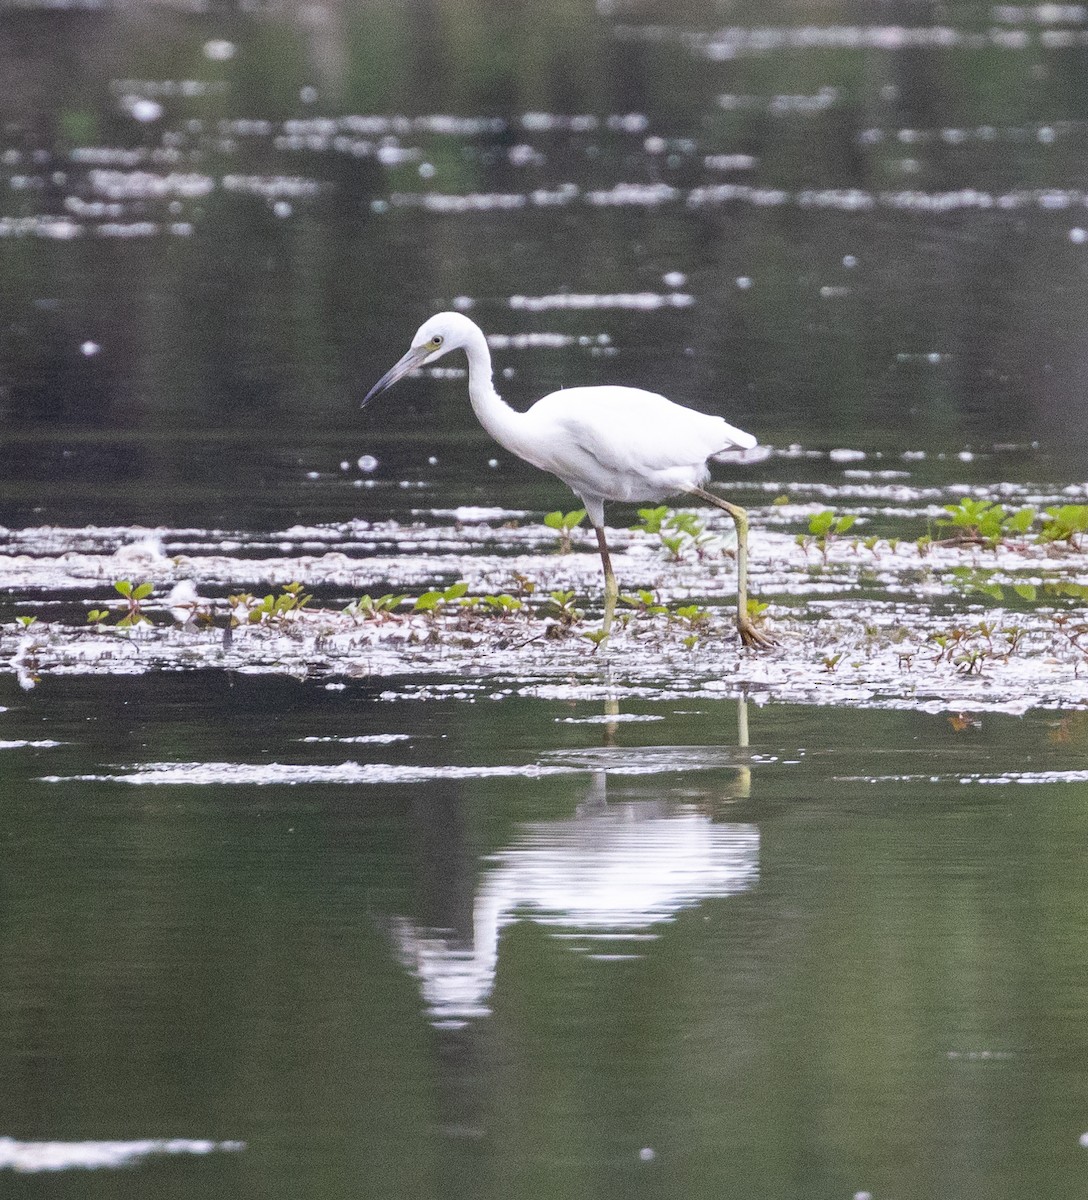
<point x="436" y="341"/>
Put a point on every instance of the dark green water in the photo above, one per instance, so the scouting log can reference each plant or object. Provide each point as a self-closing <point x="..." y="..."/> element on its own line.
<point x="489" y="970"/>
<point x="897" y="267"/>
<point x="836" y="985"/>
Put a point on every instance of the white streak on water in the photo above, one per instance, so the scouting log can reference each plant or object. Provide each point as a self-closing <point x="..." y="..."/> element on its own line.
<point x="608" y="719"/>
<point x="370" y="739"/>
<point x="635" y="300"/>
<point x="31" y="1157"/>
<point x="289" y="774"/>
<point x="654" y="760"/>
<point x="1024" y="777"/>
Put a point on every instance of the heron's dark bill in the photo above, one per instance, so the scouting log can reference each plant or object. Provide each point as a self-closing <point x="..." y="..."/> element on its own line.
<point x="408" y="363"/>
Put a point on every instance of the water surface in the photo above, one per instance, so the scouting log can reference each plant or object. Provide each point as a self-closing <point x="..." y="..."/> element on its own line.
<point x="650" y="958"/>
<point x="431" y="929"/>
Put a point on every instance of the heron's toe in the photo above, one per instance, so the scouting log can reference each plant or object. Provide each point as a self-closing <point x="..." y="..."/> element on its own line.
<point x="754" y="638"/>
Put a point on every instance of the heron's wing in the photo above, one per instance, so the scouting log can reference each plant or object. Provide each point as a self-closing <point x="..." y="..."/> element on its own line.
<point x="627" y="429"/>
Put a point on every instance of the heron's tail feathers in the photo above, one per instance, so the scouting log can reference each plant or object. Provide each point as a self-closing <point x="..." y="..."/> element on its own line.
<point x="743" y="456"/>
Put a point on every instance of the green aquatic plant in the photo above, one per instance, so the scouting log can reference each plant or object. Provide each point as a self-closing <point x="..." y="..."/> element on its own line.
<point x="823" y="529"/>
<point x="437" y="599"/>
<point x="984" y="581"/>
<point x="560" y="607"/>
<point x="695" y="619"/>
<point x="134" y="595"/>
<point x="503" y="604"/>
<point x="984" y="522"/>
<point x="26" y="622"/>
<point x="271" y="609"/>
<point x="826" y="524"/>
<point x="757" y="611"/>
<point x="644" y="603"/>
<point x="971" y="648"/>
<point x="564" y="524"/>
<point x="680" y="532"/>
<point x="977" y="579"/>
<point x="1067" y="589"/>
<point x="691" y="614"/>
<point x="1065" y="523"/>
<point x="374" y="608"/>
<point x="597" y="636"/>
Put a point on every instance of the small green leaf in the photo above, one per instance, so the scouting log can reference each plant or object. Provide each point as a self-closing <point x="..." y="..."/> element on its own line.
<point x="1021" y="520"/>
<point x="652" y="519"/>
<point x="1026" y="591"/>
<point x="124" y="586"/>
<point x="820" y="523"/>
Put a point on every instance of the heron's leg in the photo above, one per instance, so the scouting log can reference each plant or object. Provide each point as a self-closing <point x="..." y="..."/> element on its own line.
<point x="611" y="588"/>
<point x="749" y="634"/>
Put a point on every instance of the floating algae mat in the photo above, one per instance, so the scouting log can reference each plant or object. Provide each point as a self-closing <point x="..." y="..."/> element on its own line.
<point x="483" y="602"/>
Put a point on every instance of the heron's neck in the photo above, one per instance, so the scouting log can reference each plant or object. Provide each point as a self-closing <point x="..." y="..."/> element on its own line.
<point x="494" y="414"/>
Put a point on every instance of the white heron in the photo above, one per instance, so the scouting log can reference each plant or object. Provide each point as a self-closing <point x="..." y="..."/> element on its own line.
<point x="604" y="443"/>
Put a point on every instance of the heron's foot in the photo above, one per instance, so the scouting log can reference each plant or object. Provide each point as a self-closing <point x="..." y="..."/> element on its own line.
<point x="753" y="638"/>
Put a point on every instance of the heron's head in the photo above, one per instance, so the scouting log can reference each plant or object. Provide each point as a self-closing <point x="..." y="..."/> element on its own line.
<point x="437" y="336"/>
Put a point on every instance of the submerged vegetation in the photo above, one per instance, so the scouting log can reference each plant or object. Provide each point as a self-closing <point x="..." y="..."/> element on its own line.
<point x="999" y="604"/>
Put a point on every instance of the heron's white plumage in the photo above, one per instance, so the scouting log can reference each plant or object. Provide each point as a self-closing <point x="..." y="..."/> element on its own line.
<point x="605" y="443"/>
<point x="623" y="443"/>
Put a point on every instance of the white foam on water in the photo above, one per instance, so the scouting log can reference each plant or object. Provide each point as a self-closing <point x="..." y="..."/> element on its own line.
<point x="29" y="1158"/>
<point x="1022" y="777"/>
<point x="655" y="760"/>
<point x="370" y="739"/>
<point x="625" y="300"/>
<point x="290" y="774"/>
<point x="641" y="195"/>
<point x="549" y="341"/>
<point x="607" y="719"/>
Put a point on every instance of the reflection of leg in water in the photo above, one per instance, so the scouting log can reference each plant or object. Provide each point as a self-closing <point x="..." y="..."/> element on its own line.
<point x="611" y="709"/>
<point x="596" y="797"/>
<point x="742" y="783"/>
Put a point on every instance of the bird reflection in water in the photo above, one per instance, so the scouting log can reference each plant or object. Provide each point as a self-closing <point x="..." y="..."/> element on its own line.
<point x="604" y="881"/>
